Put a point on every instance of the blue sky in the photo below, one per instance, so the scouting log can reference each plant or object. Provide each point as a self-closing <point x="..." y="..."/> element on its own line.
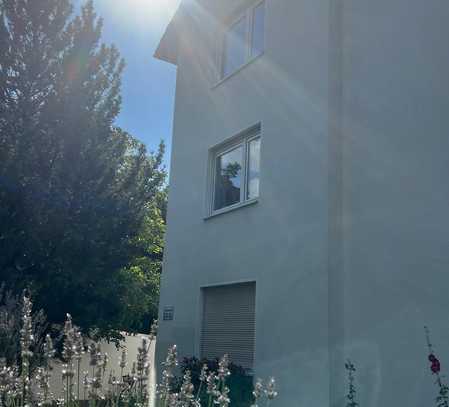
<point x="135" y="27"/>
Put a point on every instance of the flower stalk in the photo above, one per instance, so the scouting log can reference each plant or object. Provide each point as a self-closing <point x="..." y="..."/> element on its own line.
<point x="442" y="400"/>
<point x="351" y="396"/>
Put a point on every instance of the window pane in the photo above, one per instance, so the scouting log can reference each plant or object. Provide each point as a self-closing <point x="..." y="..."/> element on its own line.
<point x="253" y="168"/>
<point x="228" y="178"/>
<point x="235" y="47"/>
<point x="258" y="33"/>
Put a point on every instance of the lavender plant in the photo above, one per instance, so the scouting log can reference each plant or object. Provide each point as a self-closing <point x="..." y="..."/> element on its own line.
<point x="165" y="388"/>
<point x="26" y="341"/>
<point x="268" y="391"/>
<point x="213" y="381"/>
<point x="22" y="387"/>
<point x="11" y="324"/>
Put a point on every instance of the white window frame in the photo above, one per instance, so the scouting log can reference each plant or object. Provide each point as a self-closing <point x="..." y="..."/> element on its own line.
<point x="248" y="16"/>
<point x="242" y="139"/>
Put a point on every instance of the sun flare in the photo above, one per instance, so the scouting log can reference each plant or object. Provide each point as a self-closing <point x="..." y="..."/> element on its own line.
<point x="155" y="6"/>
<point x="138" y="12"/>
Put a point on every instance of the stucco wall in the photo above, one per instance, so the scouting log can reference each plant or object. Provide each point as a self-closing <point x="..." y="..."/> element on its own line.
<point x="348" y="243"/>
<point x="396" y="194"/>
<point x="281" y="241"/>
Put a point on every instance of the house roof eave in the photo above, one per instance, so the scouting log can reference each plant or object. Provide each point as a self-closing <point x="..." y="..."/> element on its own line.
<point x="168" y="47"/>
<point x="167" y="50"/>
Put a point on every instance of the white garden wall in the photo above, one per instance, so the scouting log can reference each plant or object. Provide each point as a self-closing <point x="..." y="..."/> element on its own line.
<point x="131" y="343"/>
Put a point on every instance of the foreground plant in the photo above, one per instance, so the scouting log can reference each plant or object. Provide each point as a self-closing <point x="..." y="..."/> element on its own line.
<point x="21" y="387"/>
<point x="17" y="380"/>
<point x="126" y="389"/>
<point x="217" y="389"/>
<point x="442" y="400"/>
<point x="351" y="396"/>
<point x="165" y="387"/>
<point x="207" y="383"/>
<point x="26" y="341"/>
<point x="268" y="391"/>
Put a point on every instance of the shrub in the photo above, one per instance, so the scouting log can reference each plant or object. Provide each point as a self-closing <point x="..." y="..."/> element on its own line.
<point x="239" y="381"/>
<point x="213" y="385"/>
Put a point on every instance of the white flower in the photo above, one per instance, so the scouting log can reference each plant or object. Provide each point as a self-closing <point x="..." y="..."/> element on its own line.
<point x="270" y="390"/>
<point x="153" y="329"/>
<point x="223" y="368"/>
<point x="49" y="350"/>
<point x="186" y="396"/>
<point x="171" y="360"/>
<point x="211" y="383"/>
<point x="170" y="363"/>
<point x="258" y="389"/>
<point x="223" y="398"/>
<point x="203" y="374"/>
<point x="26" y="333"/>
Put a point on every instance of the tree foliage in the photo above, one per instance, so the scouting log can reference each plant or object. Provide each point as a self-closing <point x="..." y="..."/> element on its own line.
<point x="78" y="195"/>
<point x="141" y="278"/>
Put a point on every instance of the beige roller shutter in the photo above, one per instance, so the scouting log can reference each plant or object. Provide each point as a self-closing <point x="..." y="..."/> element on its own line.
<point x="228" y="325"/>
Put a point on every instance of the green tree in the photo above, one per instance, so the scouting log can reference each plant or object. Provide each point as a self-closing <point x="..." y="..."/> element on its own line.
<point x="141" y="278"/>
<point x="76" y="191"/>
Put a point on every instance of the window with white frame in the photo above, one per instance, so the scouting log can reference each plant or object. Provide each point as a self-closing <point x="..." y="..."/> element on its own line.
<point x="243" y="39"/>
<point x="236" y="171"/>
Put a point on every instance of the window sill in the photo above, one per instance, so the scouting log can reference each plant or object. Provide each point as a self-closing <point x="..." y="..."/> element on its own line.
<point x="225" y="78"/>
<point x="232" y="208"/>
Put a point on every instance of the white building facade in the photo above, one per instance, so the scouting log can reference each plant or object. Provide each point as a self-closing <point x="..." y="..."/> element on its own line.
<point x="308" y="208"/>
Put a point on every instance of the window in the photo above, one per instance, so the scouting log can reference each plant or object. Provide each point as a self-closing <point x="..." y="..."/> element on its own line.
<point x="236" y="171"/>
<point x="253" y="168"/>
<point x="244" y="39"/>
<point x="258" y="33"/>
<point x="235" y="50"/>
<point x="228" y="178"/>
<point x="228" y="323"/>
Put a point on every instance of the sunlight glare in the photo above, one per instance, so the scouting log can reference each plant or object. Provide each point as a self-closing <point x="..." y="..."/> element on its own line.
<point x="137" y="12"/>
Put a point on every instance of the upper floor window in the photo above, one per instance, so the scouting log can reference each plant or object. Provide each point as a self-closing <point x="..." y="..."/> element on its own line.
<point x="244" y="39"/>
<point x="236" y="171"/>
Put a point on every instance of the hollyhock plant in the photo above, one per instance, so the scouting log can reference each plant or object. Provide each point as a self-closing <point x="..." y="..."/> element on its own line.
<point x="350" y="368"/>
<point x="442" y="400"/>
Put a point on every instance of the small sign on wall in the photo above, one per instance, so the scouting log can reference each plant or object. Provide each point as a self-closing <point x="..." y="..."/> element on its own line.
<point x="168" y="313"/>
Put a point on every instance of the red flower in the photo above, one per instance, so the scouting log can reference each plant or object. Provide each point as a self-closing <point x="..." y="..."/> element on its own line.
<point x="435" y="367"/>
